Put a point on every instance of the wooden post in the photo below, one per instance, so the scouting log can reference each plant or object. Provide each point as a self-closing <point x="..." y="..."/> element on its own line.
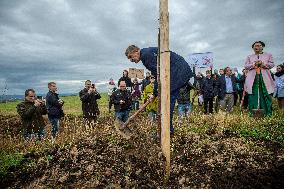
<point x="165" y="84"/>
<point x="159" y="89"/>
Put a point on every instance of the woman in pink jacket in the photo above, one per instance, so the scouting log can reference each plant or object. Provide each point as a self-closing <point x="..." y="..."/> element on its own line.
<point x="259" y="83"/>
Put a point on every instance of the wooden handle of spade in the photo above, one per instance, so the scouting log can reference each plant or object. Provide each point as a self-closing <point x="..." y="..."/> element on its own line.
<point x="137" y="112"/>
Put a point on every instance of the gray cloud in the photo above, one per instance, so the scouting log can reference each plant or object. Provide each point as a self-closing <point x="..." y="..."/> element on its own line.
<point x="71" y="41"/>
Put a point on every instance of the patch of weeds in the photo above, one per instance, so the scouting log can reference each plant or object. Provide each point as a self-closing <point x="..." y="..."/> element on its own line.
<point x="9" y="161"/>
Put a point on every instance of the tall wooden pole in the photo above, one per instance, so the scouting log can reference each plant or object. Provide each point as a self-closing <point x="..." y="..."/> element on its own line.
<point x="159" y="89"/>
<point x="165" y="83"/>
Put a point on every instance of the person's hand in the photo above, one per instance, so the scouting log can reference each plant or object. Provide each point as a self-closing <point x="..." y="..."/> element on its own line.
<point x="151" y="98"/>
<point x="94" y="90"/>
<point x="90" y="90"/>
<point x="121" y="101"/>
<point x="42" y="102"/>
<point x="258" y="64"/>
<point x="37" y="103"/>
<point x="61" y="101"/>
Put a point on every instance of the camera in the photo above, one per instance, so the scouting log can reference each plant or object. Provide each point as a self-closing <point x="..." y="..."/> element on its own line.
<point x="39" y="97"/>
<point x="61" y="101"/>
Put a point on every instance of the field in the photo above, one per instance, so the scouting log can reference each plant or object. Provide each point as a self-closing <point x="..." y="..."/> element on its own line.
<point x="207" y="151"/>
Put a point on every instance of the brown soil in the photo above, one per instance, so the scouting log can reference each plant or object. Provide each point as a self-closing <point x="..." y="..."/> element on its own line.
<point x="103" y="159"/>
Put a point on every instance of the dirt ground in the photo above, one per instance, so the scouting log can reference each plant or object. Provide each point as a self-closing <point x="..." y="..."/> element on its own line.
<point x="102" y="159"/>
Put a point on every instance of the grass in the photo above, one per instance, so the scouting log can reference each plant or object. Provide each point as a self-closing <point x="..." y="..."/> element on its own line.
<point x="8" y="161"/>
<point x="72" y="105"/>
<point x="9" y="107"/>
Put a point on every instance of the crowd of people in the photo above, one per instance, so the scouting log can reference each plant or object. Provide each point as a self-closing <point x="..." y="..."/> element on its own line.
<point x="226" y="88"/>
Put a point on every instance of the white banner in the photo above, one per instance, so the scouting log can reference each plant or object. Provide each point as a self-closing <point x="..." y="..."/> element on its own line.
<point x="201" y="60"/>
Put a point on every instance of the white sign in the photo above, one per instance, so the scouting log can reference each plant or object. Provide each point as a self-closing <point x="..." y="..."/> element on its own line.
<point x="201" y="60"/>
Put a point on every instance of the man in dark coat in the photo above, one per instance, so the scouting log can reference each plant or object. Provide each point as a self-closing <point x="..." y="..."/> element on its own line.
<point x="122" y="101"/>
<point x="89" y="96"/>
<point x="31" y="111"/>
<point x="54" y="107"/>
<point x="126" y="79"/>
<point x="180" y="71"/>
<point x="207" y="90"/>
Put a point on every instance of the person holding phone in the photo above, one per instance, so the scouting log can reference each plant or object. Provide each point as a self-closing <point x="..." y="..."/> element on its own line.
<point x="31" y="111"/>
<point x="89" y="96"/>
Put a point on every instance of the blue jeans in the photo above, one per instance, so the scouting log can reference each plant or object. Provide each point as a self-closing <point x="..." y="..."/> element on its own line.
<point x="122" y="115"/>
<point x="184" y="109"/>
<point x="135" y="105"/>
<point x="152" y="115"/>
<point x="55" y="126"/>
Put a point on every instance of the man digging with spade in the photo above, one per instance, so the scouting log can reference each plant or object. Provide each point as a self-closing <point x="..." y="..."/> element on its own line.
<point x="180" y="71"/>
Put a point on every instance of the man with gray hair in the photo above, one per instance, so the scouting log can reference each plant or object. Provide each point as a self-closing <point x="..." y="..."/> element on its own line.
<point x="179" y="76"/>
<point x="31" y="111"/>
<point x="227" y="89"/>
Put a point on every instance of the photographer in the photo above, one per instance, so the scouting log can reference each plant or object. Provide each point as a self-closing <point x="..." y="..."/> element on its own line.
<point x="89" y="96"/>
<point x="31" y="111"/>
<point x="54" y="107"/>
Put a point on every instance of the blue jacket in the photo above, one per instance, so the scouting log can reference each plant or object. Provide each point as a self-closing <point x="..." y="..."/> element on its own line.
<point x="54" y="108"/>
<point x="180" y="70"/>
<point x="279" y="87"/>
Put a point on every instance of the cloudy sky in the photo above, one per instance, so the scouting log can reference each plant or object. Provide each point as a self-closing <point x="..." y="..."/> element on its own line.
<point x="69" y="41"/>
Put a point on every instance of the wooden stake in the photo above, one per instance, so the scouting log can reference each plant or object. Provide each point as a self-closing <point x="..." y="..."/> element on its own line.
<point x="165" y="84"/>
<point x="159" y="89"/>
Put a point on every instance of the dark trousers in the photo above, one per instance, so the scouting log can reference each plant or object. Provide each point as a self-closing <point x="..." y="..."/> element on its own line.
<point x="217" y="104"/>
<point x="173" y="97"/>
<point x="235" y="98"/>
<point x="281" y="102"/>
<point x="246" y="101"/>
<point x="206" y="101"/>
<point x="109" y="103"/>
<point x="135" y="105"/>
<point x="238" y="95"/>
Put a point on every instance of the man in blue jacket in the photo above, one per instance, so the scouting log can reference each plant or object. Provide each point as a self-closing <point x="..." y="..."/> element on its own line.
<point x="54" y="107"/>
<point x="180" y="71"/>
